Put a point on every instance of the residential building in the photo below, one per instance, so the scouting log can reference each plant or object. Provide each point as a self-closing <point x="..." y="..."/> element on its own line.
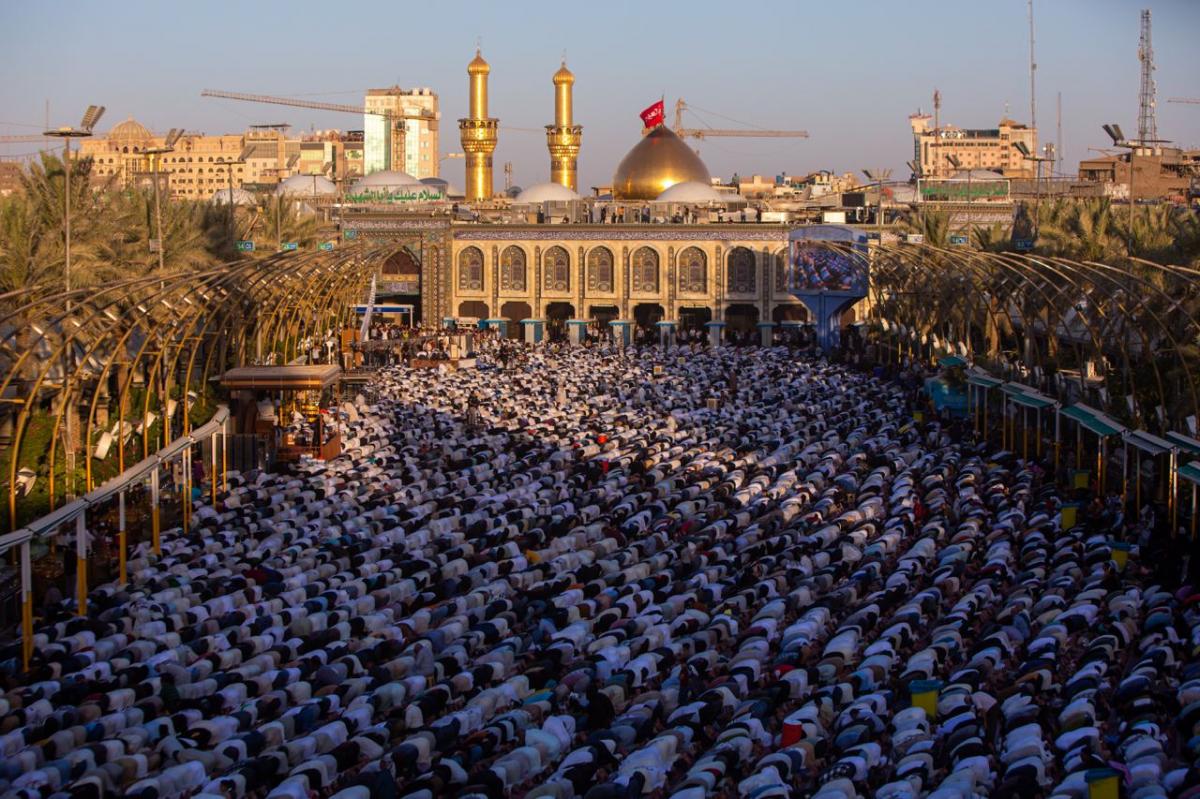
<point x="994" y="149"/>
<point x="198" y="166"/>
<point x="201" y="165"/>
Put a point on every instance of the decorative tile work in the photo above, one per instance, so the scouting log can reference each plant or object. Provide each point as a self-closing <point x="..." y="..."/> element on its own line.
<point x="570" y="233"/>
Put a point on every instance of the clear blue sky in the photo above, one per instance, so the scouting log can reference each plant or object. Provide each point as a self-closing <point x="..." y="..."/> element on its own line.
<point x="848" y="72"/>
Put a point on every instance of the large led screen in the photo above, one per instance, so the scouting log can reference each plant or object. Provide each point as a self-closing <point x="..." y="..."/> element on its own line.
<point x="816" y="268"/>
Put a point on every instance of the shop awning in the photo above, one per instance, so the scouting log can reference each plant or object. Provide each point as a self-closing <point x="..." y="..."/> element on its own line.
<point x="1185" y="444"/>
<point x="302" y="377"/>
<point x="1091" y="421"/>
<point x="1190" y="472"/>
<point x="1038" y="401"/>
<point x="1027" y="396"/>
<point x="1146" y="442"/>
<point x="983" y="381"/>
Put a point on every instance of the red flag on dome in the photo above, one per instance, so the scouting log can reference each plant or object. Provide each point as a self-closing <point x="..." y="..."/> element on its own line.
<point x="653" y="116"/>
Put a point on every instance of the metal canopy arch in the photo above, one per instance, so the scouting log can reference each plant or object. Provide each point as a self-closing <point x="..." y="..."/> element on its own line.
<point x="1044" y="298"/>
<point x="156" y="326"/>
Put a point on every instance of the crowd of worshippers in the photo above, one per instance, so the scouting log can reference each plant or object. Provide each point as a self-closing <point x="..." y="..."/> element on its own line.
<point x="307" y="433"/>
<point x="728" y="577"/>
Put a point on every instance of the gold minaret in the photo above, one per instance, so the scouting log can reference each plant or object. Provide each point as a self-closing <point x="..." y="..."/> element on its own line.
<point x="478" y="133"/>
<point x="563" y="137"/>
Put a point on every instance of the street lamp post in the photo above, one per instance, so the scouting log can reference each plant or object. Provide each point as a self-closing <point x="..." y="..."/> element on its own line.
<point x="241" y="159"/>
<point x="66" y="133"/>
<point x="1027" y="154"/>
<point x="1119" y="140"/>
<point x="879" y="176"/>
<point x="90" y="118"/>
<point x="957" y="164"/>
<point x="156" y="153"/>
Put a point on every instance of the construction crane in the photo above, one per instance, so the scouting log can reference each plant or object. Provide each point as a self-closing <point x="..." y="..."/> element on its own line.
<point x="395" y="121"/>
<point x="336" y="107"/>
<point x="702" y="133"/>
<point x="22" y="139"/>
<point x="294" y="103"/>
<point x="1188" y="100"/>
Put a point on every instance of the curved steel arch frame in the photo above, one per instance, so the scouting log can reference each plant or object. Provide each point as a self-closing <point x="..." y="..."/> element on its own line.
<point x="160" y="326"/>
<point x="1127" y="315"/>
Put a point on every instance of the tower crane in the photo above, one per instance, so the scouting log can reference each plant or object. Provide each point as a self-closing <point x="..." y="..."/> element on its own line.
<point x="33" y="137"/>
<point x="1188" y="100"/>
<point x="395" y="121"/>
<point x="316" y="106"/>
<point x="398" y="119"/>
<point x="702" y="133"/>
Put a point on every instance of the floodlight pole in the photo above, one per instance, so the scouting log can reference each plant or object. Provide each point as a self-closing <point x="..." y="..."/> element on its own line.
<point x="1129" y="234"/>
<point x="158" y="217"/>
<point x="66" y="194"/>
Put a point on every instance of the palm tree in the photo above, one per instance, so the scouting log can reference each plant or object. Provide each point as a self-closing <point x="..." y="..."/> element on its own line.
<point x="933" y="224"/>
<point x="284" y="219"/>
<point x="991" y="239"/>
<point x="125" y="244"/>
<point x="1084" y="230"/>
<point x="23" y="263"/>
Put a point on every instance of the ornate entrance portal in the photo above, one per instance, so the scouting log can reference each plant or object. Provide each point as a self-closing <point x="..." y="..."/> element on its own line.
<point x="400" y="281"/>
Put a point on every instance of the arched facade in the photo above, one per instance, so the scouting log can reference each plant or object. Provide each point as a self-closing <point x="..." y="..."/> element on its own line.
<point x="643" y="270"/>
<point x="680" y="268"/>
<point x="513" y="269"/>
<point x="600" y="270"/>
<point x="470" y="269"/>
<point x="692" y="268"/>
<point x="556" y="270"/>
<point x="740" y="275"/>
<point x="781" y="271"/>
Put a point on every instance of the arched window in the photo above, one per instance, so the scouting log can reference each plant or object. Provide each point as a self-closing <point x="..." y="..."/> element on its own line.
<point x="556" y="270"/>
<point x="470" y="269"/>
<point x="781" y="280"/>
<point x="645" y="270"/>
<point x="740" y="272"/>
<point x="693" y="271"/>
<point x="512" y="269"/>
<point x="600" y="270"/>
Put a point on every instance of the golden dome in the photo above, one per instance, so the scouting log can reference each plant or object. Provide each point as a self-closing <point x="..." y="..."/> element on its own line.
<point x="656" y="163"/>
<point x="563" y="75"/>
<point x="478" y="66"/>
<point x="130" y="131"/>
